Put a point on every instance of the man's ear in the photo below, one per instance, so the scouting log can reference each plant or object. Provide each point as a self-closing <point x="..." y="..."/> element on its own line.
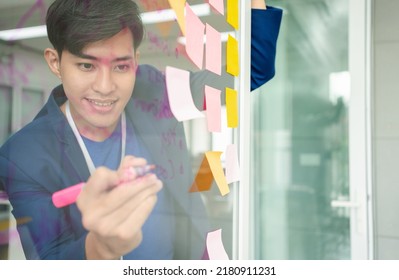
<point x="136" y="60"/>
<point x="53" y="61"/>
<point x="137" y="56"/>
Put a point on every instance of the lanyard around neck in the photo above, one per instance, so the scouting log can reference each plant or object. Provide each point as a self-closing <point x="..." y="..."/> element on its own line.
<point x="82" y="145"/>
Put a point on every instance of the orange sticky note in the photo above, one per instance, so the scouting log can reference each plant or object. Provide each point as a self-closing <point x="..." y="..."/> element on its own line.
<point x="232" y="107"/>
<point x="232" y="13"/>
<point x="213" y="50"/>
<point x="195" y="37"/>
<point x="204" y="178"/>
<point x="178" y="7"/>
<point x="232" y="56"/>
<point x="211" y="168"/>
<point x="213" y="109"/>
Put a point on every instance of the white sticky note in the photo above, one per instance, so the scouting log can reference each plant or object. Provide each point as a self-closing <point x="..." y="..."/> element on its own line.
<point x="214" y="246"/>
<point x="232" y="165"/>
<point x="179" y="94"/>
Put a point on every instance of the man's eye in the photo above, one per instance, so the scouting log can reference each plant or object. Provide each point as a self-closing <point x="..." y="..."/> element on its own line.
<point x="122" y="67"/>
<point x="86" y="66"/>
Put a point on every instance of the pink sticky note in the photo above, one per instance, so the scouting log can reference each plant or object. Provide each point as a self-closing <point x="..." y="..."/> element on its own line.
<point x="195" y="31"/>
<point x="179" y="94"/>
<point x="213" y="47"/>
<point x="218" y="5"/>
<point x="232" y="165"/>
<point x="213" y="109"/>
<point x="214" y="246"/>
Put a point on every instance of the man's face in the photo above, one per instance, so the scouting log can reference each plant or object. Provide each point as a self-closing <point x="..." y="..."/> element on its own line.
<point x="99" y="82"/>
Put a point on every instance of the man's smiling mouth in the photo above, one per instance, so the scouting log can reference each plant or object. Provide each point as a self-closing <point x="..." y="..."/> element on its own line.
<point x="101" y="103"/>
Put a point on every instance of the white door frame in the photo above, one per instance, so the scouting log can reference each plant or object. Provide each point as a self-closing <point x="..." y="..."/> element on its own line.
<point x="360" y="149"/>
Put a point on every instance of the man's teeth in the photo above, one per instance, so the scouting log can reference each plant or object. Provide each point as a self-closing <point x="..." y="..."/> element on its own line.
<point x="102" y="104"/>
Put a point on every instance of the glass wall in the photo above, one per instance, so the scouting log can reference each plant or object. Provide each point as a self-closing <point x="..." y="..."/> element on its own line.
<point x="5" y="112"/>
<point x="300" y="144"/>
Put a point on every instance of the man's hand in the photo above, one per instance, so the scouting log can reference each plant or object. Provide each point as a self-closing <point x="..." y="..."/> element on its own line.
<point x="114" y="207"/>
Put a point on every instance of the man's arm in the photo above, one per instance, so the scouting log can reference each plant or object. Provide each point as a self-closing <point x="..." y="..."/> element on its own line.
<point x="265" y="28"/>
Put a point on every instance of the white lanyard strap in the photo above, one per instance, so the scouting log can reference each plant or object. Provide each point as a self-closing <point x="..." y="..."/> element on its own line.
<point x="82" y="145"/>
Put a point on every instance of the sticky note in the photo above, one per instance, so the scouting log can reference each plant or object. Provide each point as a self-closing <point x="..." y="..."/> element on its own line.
<point x="232" y="56"/>
<point x="211" y="168"/>
<point x="232" y="13"/>
<point x="232" y="164"/>
<point x="232" y="107"/>
<point x="213" y="50"/>
<point x="215" y="247"/>
<point x="213" y="109"/>
<point x="179" y="94"/>
<point x="218" y="5"/>
<point x="204" y="178"/>
<point x="178" y="7"/>
<point x="194" y="37"/>
<point x="215" y="164"/>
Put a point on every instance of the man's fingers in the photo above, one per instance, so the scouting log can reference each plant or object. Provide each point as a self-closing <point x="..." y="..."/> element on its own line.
<point x="117" y="205"/>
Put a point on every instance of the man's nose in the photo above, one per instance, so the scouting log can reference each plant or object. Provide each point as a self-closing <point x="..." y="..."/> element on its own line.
<point x="104" y="83"/>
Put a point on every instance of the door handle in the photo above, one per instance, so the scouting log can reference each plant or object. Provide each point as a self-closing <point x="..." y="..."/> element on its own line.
<point x="344" y="204"/>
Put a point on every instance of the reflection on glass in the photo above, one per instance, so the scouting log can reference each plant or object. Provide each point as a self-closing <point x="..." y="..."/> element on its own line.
<point x="5" y="113"/>
<point x="300" y="146"/>
<point x="32" y="101"/>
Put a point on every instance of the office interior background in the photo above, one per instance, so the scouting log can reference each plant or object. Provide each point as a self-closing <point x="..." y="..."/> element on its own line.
<point x="324" y="145"/>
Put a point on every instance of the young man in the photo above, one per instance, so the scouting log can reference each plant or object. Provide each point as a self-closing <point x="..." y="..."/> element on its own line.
<point x="92" y="130"/>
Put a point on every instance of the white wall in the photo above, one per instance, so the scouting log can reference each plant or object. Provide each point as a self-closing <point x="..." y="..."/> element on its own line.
<point x="385" y="102"/>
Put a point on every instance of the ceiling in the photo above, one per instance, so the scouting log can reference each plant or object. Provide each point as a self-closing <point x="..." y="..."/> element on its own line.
<point x="161" y="39"/>
<point x="313" y="20"/>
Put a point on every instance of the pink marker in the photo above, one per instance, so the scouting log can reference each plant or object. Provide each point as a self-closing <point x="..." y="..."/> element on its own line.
<point x="69" y="195"/>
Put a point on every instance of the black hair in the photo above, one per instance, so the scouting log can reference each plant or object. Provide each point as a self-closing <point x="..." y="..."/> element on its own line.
<point x="72" y="24"/>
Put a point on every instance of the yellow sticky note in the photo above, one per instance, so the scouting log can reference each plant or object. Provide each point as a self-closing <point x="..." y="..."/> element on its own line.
<point x="232" y="107"/>
<point x="178" y="7"/>
<point x="217" y="171"/>
<point x="232" y="56"/>
<point x="232" y="13"/>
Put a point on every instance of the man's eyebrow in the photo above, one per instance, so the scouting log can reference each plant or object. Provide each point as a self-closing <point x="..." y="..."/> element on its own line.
<point x="122" y="58"/>
<point x="86" y="56"/>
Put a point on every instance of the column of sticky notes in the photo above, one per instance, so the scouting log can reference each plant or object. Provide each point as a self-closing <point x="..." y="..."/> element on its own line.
<point x="182" y="105"/>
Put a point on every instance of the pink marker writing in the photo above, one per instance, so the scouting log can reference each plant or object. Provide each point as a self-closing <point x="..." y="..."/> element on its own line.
<point x="69" y="195"/>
